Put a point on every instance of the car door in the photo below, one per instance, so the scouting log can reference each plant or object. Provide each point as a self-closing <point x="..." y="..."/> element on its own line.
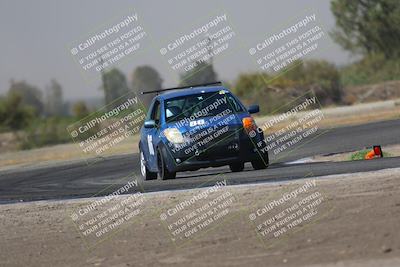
<point x="151" y="136"/>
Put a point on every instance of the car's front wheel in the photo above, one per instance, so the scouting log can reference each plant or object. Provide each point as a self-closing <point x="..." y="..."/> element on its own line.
<point x="236" y="167"/>
<point x="147" y="175"/>
<point x="260" y="163"/>
<point x="163" y="172"/>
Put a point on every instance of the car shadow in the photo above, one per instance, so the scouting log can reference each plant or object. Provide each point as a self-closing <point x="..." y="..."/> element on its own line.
<point x="219" y="172"/>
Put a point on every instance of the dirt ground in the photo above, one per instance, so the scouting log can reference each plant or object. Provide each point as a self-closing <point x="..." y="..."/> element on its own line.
<point x="356" y="224"/>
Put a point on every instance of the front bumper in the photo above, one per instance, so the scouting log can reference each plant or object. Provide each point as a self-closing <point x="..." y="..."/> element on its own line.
<point x="225" y="152"/>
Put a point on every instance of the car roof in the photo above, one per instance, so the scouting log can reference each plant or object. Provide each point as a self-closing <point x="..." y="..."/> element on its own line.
<point x="190" y="91"/>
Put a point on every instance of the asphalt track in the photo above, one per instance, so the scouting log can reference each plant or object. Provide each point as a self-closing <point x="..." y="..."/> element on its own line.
<point x="78" y="179"/>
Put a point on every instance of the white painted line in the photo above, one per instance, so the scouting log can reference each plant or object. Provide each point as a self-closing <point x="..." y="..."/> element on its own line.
<point x="299" y="161"/>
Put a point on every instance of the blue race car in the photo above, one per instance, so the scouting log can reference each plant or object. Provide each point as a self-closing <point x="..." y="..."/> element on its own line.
<point x="200" y="126"/>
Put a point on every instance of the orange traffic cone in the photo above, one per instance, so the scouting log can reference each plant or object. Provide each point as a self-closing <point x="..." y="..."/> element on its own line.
<point x="375" y="152"/>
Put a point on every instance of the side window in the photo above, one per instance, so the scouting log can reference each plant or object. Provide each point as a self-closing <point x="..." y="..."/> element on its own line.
<point x="234" y="104"/>
<point x="155" y="113"/>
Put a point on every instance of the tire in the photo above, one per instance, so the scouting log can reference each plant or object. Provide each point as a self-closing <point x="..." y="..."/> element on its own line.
<point x="163" y="172"/>
<point x="260" y="164"/>
<point x="147" y="175"/>
<point x="236" y="167"/>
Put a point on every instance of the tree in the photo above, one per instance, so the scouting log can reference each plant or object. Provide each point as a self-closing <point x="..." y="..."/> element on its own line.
<point x="114" y="86"/>
<point x="203" y="72"/>
<point x="54" y="99"/>
<point x="144" y="79"/>
<point x="14" y="115"/>
<point x="30" y="95"/>
<point x="368" y="26"/>
<point x="80" y="110"/>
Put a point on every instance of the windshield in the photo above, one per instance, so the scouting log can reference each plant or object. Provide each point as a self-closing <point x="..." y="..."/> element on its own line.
<point x="201" y="105"/>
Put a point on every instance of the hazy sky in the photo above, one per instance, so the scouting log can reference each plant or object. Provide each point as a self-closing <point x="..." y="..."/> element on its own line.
<point x="36" y="35"/>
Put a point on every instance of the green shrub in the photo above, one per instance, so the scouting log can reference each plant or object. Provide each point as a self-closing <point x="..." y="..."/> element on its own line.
<point x="318" y="75"/>
<point x="371" y="69"/>
<point x="360" y="155"/>
<point x="252" y="88"/>
<point x="272" y="92"/>
<point x="43" y="132"/>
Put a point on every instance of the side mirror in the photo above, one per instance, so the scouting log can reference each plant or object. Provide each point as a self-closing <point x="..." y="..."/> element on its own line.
<point x="150" y="124"/>
<point x="253" y="109"/>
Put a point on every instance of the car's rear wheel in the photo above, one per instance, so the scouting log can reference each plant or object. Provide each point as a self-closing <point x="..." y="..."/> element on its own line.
<point x="259" y="163"/>
<point x="163" y="172"/>
<point x="236" y="167"/>
<point x="147" y="175"/>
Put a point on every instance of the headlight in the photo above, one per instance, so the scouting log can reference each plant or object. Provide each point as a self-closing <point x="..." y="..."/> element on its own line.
<point x="174" y="135"/>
